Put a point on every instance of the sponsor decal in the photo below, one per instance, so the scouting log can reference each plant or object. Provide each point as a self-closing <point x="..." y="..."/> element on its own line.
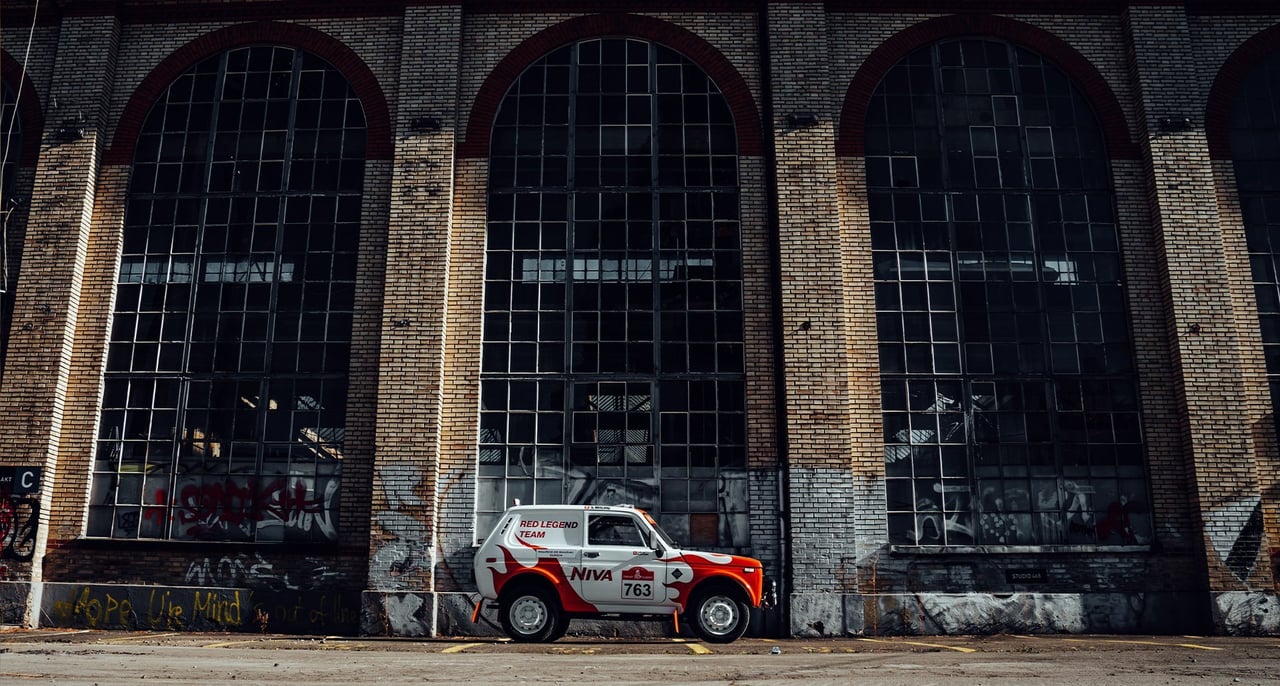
<point x="580" y="574"/>
<point x="637" y="574"/>
<point x="547" y="524"/>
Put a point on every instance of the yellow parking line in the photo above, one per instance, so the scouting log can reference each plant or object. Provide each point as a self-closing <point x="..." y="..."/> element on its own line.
<point x="958" y="649"/>
<point x="1194" y="646"/>
<point x="698" y="649"/>
<point x="1112" y="640"/>
<point x="459" y="648"/>
<point x="1197" y="647"/>
<point x="137" y="637"/>
<point x="44" y="634"/>
<point x="227" y="643"/>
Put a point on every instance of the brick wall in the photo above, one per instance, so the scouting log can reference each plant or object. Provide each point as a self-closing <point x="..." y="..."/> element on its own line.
<point x="407" y="506"/>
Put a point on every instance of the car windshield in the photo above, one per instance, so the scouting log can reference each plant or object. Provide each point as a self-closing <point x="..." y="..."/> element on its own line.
<point x="666" y="538"/>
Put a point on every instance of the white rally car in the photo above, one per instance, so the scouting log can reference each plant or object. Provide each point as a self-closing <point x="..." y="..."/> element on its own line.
<point x="545" y="564"/>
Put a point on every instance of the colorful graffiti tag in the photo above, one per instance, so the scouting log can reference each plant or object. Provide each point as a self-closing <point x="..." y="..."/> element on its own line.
<point x="213" y="507"/>
<point x="207" y="509"/>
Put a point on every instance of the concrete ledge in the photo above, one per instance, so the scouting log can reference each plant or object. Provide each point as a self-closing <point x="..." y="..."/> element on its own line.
<point x="397" y="613"/>
<point x="832" y="614"/>
<point x="190" y="608"/>
<point x="1247" y="613"/>
<point x="410" y="613"/>
<point x="13" y="602"/>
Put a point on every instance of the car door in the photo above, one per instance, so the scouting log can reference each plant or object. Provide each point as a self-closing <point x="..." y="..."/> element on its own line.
<point x="619" y="572"/>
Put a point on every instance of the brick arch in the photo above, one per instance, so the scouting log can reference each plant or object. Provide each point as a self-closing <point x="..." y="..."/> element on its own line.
<point x="1217" y="116"/>
<point x="1083" y="75"/>
<point x="28" y="109"/>
<point x="324" y="46"/>
<point x="732" y="86"/>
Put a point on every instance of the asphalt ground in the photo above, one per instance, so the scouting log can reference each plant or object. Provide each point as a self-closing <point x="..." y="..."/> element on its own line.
<point x="110" y="657"/>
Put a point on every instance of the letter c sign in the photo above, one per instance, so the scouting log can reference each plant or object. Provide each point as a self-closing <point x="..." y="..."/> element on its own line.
<point x="26" y="480"/>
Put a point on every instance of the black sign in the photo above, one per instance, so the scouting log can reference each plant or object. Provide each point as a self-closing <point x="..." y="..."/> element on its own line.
<point x="1025" y="576"/>
<point x="20" y="480"/>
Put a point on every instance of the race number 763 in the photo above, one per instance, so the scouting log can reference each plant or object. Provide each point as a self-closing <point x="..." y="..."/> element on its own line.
<point x="631" y="589"/>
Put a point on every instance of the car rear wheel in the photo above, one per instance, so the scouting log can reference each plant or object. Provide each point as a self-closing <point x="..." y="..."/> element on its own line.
<point x="718" y="616"/>
<point x="531" y="615"/>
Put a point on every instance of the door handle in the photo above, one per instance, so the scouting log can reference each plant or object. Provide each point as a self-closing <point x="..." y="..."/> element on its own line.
<point x="591" y="554"/>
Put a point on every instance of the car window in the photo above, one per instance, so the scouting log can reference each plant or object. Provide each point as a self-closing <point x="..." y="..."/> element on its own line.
<point x="614" y="530"/>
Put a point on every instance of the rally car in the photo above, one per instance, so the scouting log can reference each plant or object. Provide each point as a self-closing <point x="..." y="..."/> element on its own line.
<point x="545" y="564"/>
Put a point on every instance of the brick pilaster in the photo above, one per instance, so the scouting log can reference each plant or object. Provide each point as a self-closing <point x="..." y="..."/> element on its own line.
<point x="406" y="459"/>
<point x="1216" y="438"/>
<point x="815" y="359"/>
<point x="32" y="396"/>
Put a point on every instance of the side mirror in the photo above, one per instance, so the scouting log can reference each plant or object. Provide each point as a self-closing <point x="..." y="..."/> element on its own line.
<point x="655" y="542"/>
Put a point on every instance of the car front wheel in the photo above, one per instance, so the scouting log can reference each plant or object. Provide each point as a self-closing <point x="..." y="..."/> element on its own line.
<point x="531" y="615"/>
<point x="719" y="617"/>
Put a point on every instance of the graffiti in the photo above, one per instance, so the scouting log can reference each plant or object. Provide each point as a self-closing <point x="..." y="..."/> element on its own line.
<point x="1247" y="613"/>
<point x="308" y="612"/>
<point x="1013" y="515"/>
<point x="406" y="615"/>
<point x="254" y="571"/>
<point x="188" y="609"/>
<point x="245" y="509"/>
<point x="405" y="554"/>
<point x="1235" y="531"/>
<point x="19" y="511"/>
<point x="99" y="607"/>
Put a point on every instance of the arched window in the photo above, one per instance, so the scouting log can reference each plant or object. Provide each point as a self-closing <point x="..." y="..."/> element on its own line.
<point x="1008" y="388"/>
<point x="1255" y="154"/>
<point x="613" y="330"/>
<point x="223" y="412"/>
<point x="10" y="152"/>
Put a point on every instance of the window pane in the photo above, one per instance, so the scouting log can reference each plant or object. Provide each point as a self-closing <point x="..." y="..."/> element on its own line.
<point x="1255" y="150"/>
<point x="1004" y="338"/>
<point x="631" y="270"/>
<point x="234" y="327"/>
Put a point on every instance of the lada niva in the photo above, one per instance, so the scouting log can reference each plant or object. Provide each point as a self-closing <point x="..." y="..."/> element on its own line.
<point x="546" y="564"/>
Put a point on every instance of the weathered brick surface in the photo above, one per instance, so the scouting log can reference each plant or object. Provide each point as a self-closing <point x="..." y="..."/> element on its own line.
<point x="407" y="520"/>
<point x="821" y="507"/>
<point x="1208" y="377"/>
<point x="34" y="388"/>
<point x="406" y="464"/>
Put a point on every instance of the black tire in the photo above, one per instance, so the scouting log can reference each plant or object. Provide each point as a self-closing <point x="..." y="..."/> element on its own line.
<point x="562" y="626"/>
<point x="531" y="614"/>
<point x="718" y="615"/>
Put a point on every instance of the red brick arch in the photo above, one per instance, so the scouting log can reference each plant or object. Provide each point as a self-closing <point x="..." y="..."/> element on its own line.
<point x="29" y="110"/>
<point x="322" y="45"/>
<point x="1083" y="75"/>
<point x="1217" y="116"/>
<point x="734" y="88"/>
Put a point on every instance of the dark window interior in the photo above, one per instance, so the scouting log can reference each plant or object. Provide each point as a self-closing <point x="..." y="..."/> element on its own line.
<point x="612" y="367"/>
<point x="224" y="404"/>
<point x="1255" y="154"/>
<point x="1008" y="389"/>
